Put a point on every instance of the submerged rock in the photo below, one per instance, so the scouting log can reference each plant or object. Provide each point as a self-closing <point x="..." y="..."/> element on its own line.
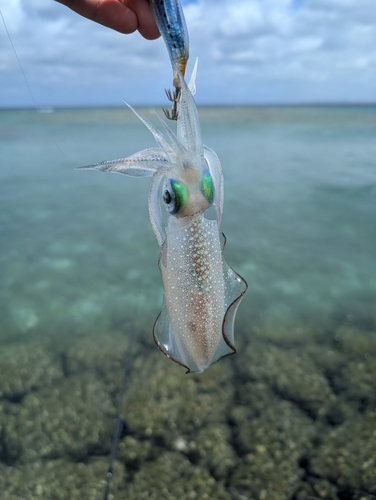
<point x="290" y="373"/>
<point x="347" y="455"/>
<point x="26" y="367"/>
<point x="71" y="418"/>
<point x="103" y="356"/>
<point x="212" y="450"/>
<point x="316" y="489"/>
<point x="172" y="477"/>
<point x="271" y="436"/>
<point x="163" y="404"/>
<point x="355" y="342"/>
<point x="57" y="480"/>
<point x="182" y="418"/>
<point x="356" y="382"/>
<point x="270" y="423"/>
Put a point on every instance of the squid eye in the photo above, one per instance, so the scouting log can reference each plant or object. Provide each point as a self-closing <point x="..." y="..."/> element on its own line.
<point x="167" y="197"/>
<point x="207" y="187"/>
<point x="175" y="195"/>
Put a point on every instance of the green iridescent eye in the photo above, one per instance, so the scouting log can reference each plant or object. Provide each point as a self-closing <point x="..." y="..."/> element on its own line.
<point x="175" y="195"/>
<point x="207" y="187"/>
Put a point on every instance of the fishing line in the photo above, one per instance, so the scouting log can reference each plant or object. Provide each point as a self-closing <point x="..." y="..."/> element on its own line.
<point x="19" y="63"/>
<point x="119" y="421"/>
<point x="37" y="108"/>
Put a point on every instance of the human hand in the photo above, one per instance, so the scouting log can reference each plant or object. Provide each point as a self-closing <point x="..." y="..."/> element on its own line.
<point x="125" y="16"/>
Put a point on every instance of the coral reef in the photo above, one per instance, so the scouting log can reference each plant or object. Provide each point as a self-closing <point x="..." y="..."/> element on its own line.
<point x="279" y="421"/>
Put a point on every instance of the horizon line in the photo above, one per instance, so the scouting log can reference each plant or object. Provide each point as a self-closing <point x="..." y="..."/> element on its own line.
<point x="51" y="108"/>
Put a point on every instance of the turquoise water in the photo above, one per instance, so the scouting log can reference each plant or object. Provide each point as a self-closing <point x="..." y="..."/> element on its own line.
<point x="300" y="213"/>
<point x="291" y="416"/>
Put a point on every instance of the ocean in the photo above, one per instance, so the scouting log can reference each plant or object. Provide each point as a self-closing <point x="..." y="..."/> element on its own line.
<point x="79" y="277"/>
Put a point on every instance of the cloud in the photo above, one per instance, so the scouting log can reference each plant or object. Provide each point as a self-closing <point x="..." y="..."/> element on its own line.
<point x="249" y="51"/>
<point x="324" y="44"/>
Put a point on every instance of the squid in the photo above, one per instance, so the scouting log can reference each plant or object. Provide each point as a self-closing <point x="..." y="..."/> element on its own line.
<point x="201" y="292"/>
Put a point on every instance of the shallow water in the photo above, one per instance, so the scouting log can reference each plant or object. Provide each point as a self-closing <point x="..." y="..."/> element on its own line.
<point x="299" y="216"/>
<point x="79" y="276"/>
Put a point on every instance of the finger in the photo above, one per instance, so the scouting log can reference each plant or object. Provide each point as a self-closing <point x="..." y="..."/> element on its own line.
<point x="125" y="16"/>
<point x="110" y="13"/>
<point x="115" y="15"/>
<point x="146" y="22"/>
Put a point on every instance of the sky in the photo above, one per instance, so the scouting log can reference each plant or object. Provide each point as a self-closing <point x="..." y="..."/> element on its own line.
<point x="250" y="52"/>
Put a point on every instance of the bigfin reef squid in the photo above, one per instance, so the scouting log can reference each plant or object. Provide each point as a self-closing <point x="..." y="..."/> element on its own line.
<point x="201" y="292"/>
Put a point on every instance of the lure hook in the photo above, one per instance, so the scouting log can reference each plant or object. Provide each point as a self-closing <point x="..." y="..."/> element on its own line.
<point x="174" y="97"/>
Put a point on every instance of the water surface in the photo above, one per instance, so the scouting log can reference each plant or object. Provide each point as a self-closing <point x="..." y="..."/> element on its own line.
<point x="292" y="415"/>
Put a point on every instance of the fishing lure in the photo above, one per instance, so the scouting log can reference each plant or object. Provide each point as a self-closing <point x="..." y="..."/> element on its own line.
<point x="170" y="20"/>
<point x="201" y="292"/>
